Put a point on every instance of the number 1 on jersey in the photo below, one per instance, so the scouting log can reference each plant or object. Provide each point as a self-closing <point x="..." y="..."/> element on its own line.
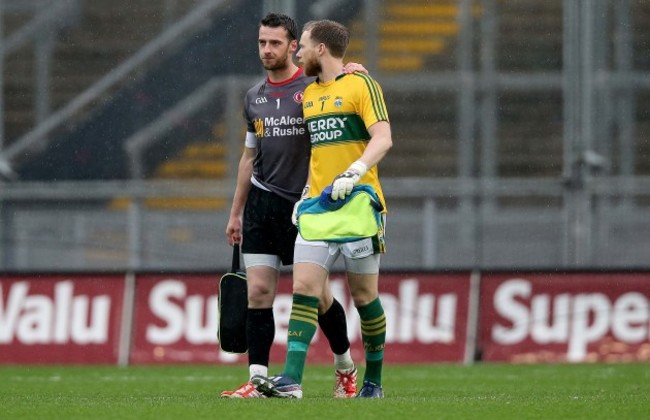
<point x="278" y="103"/>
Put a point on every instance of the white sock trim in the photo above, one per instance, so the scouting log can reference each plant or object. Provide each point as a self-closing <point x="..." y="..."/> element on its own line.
<point x="258" y="370"/>
<point x="343" y="361"/>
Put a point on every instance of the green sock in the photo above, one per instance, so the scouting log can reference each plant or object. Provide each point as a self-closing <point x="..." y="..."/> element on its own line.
<point x="373" y="333"/>
<point x="302" y="327"/>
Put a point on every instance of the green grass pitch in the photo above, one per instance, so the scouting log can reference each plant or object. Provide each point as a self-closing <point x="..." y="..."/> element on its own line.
<point x="438" y="391"/>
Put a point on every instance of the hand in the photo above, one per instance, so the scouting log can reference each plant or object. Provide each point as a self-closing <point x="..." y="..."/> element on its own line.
<point x="233" y="230"/>
<point x="303" y="196"/>
<point x="343" y="183"/>
<point x="350" y="68"/>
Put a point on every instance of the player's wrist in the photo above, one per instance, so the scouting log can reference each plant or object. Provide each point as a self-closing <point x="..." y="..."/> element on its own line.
<point x="359" y="167"/>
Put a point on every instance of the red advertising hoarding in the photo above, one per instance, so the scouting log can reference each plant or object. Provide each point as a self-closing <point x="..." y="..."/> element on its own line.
<point x="533" y="317"/>
<point x="558" y="317"/>
<point x="176" y="318"/>
<point x="60" y="319"/>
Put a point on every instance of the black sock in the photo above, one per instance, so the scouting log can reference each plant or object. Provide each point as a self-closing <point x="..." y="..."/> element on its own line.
<point x="260" y="330"/>
<point x="335" y="327"/>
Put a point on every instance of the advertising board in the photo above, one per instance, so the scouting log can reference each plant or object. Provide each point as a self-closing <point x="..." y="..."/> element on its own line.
<point x="565" y="317"/>
<point x="176" y="319"/>
<point x="61" y="318"/>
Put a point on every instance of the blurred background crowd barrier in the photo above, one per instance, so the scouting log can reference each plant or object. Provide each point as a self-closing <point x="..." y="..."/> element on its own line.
<point x="521" y="129"/>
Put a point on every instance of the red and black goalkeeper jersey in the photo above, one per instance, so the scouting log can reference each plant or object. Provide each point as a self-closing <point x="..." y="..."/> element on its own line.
<point x="273" y="111"/>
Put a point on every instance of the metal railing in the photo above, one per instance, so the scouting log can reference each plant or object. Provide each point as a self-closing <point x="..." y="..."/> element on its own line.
<point x="73" y="226"/>
<point x="189" y="23"/>
<point x="41" y="29"/>
<point x="154" y="132"/>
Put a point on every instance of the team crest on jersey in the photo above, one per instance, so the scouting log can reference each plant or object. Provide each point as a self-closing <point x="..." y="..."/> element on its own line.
<point x="297" y="97"/>
<point x="338" y="102"/>
<point x="259" y="128"/>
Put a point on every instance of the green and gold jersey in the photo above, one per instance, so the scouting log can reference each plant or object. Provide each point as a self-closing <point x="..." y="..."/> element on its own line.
<point x="338" y="114"/>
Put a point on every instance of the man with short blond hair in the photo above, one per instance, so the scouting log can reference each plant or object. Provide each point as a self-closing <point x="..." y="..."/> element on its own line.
<point x="350" y="133"/>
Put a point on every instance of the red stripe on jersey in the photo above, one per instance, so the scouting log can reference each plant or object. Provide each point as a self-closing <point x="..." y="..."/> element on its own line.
<point x="284" y="82"/>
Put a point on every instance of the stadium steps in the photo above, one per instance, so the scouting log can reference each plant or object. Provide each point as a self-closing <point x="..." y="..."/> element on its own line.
<point x="414" y="36"/>
<point x="203" y="160"/>
<point x="410" y="32"/>
<point x="534" y="30"/>
<point x="424" y="127"/>
<point x="200" y="159"/>
<point x="18" y="91"/>
<point x="106" y="34"/>
<point x="174" y="203"/>
<point x="529" y="133"/>
<point x="424" y="134"/>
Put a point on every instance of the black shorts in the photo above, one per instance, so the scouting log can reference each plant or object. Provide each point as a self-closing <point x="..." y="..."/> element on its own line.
<point x="267" y="225"/>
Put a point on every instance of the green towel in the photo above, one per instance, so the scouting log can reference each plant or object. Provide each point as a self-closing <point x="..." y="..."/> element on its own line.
<point x="356" y="217"/>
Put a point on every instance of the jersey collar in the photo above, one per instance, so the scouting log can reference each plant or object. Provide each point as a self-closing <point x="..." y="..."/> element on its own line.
<point x="296" y="75"/>
<point x="336" y="79"/>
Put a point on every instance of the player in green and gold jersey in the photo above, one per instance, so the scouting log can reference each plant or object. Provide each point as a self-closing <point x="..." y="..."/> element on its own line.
<point x="350" y="133"/>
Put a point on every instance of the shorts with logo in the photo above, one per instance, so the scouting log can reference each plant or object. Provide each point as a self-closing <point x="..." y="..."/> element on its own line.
<point x="267" y="227"/>
<point x="361" y="257"/>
